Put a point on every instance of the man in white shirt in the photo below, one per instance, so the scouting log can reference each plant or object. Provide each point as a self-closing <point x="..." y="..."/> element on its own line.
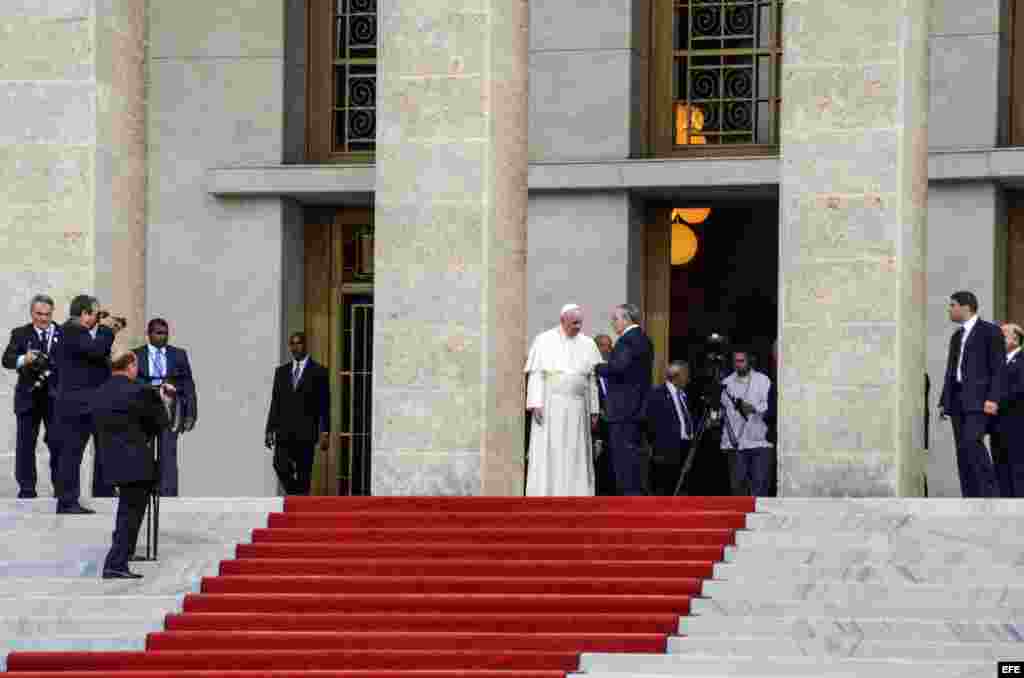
<point x="744" y="432"/>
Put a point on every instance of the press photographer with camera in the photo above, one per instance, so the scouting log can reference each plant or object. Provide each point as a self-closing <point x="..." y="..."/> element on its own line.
<point x="744" y="438"/>
<point x="30" y="352"/>
<point x="83" y="363"/>
<point x="127" y="416"/>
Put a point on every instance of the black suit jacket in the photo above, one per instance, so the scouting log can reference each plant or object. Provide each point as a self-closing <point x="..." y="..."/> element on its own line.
<point x="25" y="339"/>
<point x="83" y="364"/>
<point x="179" y="373"/>
<point x="983" y="368"/>
<point x="298" y="416"/>
<point x="127" y="416"/>
<point x="628" y="374"/>
<point x="1011" y="405"/>
<point x="662" y="424"/>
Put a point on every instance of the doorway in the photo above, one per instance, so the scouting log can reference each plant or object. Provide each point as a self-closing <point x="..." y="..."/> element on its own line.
<point x="339" y="329"/>
<point x="711" y="269"/>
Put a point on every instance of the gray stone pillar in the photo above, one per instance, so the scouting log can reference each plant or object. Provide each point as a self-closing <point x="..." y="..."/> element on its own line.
<point x="449" y="317"/>
<point x="853" y="212"/>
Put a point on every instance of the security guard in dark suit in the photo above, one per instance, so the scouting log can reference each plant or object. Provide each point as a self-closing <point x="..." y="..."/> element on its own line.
<point x="127" y="416"/>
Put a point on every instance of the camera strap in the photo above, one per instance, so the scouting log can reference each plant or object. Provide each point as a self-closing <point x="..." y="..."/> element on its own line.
<point x="732" y="435"/>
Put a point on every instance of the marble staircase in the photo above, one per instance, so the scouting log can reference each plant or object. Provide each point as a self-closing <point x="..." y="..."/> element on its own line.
<point x="845" y="587"/>
<point x="51" y="594"/>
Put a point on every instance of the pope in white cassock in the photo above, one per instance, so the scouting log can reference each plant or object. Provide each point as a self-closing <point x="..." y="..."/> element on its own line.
<point x="561" y="394"/>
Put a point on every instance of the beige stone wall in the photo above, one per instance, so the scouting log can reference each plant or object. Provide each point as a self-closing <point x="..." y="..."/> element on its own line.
<point x="72" y="155"/>
<point x="853" y="199"/>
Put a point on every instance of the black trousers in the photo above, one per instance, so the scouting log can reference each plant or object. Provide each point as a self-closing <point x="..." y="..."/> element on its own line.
<point x="28" y="424"/>
<point x="297" y="476"/>
<point x="131" y="507"/>
<point x="752" y="472"/>
<point x="73" y="432"/>
<point x="665" y="472"/>
<point x="626" y="455"/>
<point x="1008" y="458"/>
<point x="977" y="472"/>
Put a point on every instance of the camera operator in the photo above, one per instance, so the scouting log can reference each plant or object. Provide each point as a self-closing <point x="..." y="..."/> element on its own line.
<point x="30" y="352"/>
<point x="83" y="365"/>
<point x="127" y="416"/>
<point x="745" y="402"/>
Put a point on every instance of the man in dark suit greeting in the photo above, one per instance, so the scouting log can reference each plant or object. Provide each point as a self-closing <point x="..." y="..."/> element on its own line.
<point x="127" y="416"/>
<point x="1008" y="438"/>
<point x="83" y="365"/>
<point x="628" y="377"/>
<point x="31" y="351"/>
<point x="971" y="391"/>
<point x="669" y="427"/>
<point x="299" y="417"/>
<point x="159" y="362"/>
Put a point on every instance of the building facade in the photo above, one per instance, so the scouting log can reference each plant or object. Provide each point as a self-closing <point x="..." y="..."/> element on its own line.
<point x="214" y="164"/>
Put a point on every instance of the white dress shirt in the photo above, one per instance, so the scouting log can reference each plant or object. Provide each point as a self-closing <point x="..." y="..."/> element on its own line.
<point x="301" y="364"/>
<point x="968" y="326"/>
<point x="156" y="377"/>
<point x="1011" y="355"/>
<point x="752" y="432"/>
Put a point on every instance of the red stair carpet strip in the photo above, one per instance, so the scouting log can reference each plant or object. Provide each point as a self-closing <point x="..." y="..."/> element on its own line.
<point x="433" y="587"/>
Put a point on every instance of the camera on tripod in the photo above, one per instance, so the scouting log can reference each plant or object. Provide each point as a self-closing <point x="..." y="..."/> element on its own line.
<point x="715" y="366"/>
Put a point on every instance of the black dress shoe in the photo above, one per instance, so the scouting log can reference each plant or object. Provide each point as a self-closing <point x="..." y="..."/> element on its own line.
<point x="120" y="574"/>
<point x="76" y="510"/>
<point x="27" y="494"/>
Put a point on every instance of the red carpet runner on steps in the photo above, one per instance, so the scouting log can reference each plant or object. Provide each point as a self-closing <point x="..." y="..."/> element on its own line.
<point x="433" y="587"/>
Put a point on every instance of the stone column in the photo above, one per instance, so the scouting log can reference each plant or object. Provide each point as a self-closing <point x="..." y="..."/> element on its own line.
<point x="853" y="212"/>
<point x="449" y="318"/>
<point x="72" y="165"/>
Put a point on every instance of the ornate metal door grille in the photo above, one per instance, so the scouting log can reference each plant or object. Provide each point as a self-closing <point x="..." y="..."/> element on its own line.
<point x="356" y="396"/>
<point x="355" y="76"/>
<point x="725" y="72"/>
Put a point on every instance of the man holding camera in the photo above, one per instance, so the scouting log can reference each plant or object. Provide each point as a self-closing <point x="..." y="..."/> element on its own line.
<point x="83" y="366"/>
<point x="127" y="416"/>
<point x="744" y="438"/>
<point x="30" y="352"/>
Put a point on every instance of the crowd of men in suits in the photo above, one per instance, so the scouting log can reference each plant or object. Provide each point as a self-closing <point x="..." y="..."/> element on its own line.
<point x="647" y="438"/>
<point x="60" y="369"/>
<point x="983" y="394"/>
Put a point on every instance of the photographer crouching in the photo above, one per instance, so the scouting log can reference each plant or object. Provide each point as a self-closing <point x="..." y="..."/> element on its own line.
<point x="127" y="416"/>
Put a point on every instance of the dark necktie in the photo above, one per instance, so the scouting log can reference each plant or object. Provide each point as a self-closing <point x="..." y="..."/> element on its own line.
<point x="42" y="340"/>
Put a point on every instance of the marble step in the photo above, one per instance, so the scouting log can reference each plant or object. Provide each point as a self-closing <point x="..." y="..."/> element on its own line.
<point x="634" y="666"/>
<point x="845" y="647"/>
<point x="886" y="523"/>
<point x="88" y="606"/>
<point x="840" y="629"/>
<point x="839" y="555"/>
<point x="152" y="583"/>
<point x="102" y="625"/>
<point x="168" y="505"/>
<point x="846" y="609"/>
<point x="909" y="506"/>
<point x="902" y="595"/>
<point x="978" y="538"/>
<point x="880" y="573"/>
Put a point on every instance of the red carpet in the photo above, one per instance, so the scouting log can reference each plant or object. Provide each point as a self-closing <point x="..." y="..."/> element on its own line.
<point x="433" y="587"/>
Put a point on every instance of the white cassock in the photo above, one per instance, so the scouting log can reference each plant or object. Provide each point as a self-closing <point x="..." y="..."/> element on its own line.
<point x="561" y="379"/>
